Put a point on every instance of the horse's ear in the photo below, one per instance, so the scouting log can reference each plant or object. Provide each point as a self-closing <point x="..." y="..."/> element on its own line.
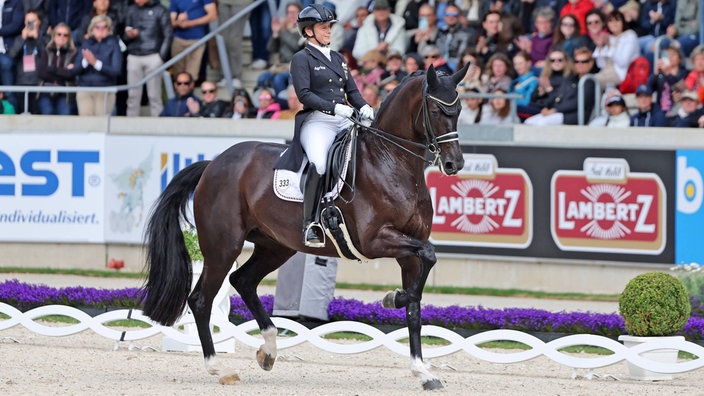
<point x="460" y="74"/>
<point x="431" y="76"/>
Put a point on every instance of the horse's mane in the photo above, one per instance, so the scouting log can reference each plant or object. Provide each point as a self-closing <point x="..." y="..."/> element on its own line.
<point x="405" y="81"/>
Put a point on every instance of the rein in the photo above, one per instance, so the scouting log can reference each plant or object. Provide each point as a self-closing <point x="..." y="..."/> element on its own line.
<point x="433" y="145"/>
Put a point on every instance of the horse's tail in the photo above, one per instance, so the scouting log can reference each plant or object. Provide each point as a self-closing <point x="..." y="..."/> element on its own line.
<point x="168" y="263"/>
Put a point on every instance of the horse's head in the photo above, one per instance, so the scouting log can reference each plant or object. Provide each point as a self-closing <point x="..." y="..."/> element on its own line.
<point x="441" y="108"/>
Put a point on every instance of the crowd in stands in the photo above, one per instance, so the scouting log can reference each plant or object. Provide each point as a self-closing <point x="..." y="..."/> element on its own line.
<point x="539" y="49"/>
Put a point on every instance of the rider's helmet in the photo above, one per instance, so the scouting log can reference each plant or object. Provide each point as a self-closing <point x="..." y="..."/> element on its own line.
<point x="314" y="13"/>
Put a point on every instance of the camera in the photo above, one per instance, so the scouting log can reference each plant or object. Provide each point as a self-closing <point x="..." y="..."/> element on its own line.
<point x="30" y="25"/>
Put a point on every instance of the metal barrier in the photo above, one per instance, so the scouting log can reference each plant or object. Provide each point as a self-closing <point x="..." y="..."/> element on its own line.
<point x="161" y="70"/>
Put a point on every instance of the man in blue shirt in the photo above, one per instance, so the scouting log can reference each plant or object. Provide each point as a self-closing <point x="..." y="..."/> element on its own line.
<point x="190" y="19"/>
<point x="649" y="114"/>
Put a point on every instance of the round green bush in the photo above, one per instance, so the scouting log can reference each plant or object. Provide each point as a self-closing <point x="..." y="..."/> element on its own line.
<point x="654" y="304"/>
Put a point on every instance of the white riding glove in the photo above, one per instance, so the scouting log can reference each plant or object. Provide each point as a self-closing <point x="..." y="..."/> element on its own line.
<point x="343" y="110"/>
<point x="367" y="112"/>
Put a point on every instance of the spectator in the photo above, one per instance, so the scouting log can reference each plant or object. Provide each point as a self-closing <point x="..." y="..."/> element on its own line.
<point x="190" y="19"/>
<point x="596" y="28"/>
<point x="285" y="41"/>
<point x="617" y="112"/>
<point x="453" y="38"/>
<point x="474" y="76"/>
<point x="387" y="86"/>
<point x="470" y="14"/>
<point x="687" y="25"/>
<point x="232" y="37"/>
<point x="70" y="12"/>
<point x="690" y="113"/>
<point x="471" y="113"/>
<point x="695" y="79"/>
<point x="499" y="73"/>
<point x="539" y="43"/>
<point x="556" y="96"/>
<point x="294" y="105"/>
<point x="11" y="25"/>
<point x="583" y="65"/>
<point x="100" y="7"/>
<point x="497" y="111"/>
<point x="25" y="53"/>
<point x="372" y="69"/>
<point x="371" y="94"/>
<point x="427" y="31"/>
<point x="98" y="64"/>
<point x="42" y="8"/>
<point x="631" y="14"/>
<point x="568" y="36"/>
<point x="526" y="82"/>
<point x="394" y="67"/>
<point x="655" y="17"/>
<point x="431" y="56"/>
<point x="352" y="28"/>
<point x="5" y="106"/>
<point x="413" y="62"/>
<point x="148" y="36"/>
<point x="578" y="10"/>
<point x="178" y="105"/>
<point x="648" y="115"/>
<point x="268" y="108"/>
<point x="242" y="106"/>
<point x="55" y="68"/>
<point x="381" y="31"/>
<point x="489" y="41"/>
<point x="615" y="51"/>
<point x="668" y="71"/>
<point x="210" y="106"/>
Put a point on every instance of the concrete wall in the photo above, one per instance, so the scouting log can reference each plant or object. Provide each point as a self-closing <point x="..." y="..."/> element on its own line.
<point x="491" y="272"/>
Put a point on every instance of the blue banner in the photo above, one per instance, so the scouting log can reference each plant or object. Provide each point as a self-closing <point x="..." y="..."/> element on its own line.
<point x="689" y="216"/>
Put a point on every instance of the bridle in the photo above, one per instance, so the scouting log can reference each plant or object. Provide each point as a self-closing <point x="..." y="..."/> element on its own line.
<point x="433" y="142"/>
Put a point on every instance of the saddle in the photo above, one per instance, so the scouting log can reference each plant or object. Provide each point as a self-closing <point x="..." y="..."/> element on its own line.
<point x="341" y="159"/>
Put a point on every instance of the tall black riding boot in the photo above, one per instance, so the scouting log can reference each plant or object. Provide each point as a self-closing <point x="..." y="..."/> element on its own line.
<point x="312" y="231"/>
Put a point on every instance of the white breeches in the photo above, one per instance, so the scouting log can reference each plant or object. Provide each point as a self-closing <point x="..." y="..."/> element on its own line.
<point x="317" y="134"/>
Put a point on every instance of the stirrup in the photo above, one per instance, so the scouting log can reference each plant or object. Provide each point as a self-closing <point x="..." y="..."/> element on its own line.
<point x="315" y="243"/>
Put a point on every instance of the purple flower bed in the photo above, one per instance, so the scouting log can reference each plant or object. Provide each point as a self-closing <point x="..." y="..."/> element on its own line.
<point x="26" y="296"/>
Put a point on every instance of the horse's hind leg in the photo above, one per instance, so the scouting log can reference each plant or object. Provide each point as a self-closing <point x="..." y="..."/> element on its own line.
<point x="267" y="257"/>
<point x="216" y="264"/>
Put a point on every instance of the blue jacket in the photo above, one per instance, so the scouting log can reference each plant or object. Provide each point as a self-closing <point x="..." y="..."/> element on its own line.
<point x="653" y="118"/>
<point x="176" y="106"/>
<point x="70" y="12"/>
<point x="524" y="85"/>
<point x="108" y="52"/>
<point x="12" y="22"/>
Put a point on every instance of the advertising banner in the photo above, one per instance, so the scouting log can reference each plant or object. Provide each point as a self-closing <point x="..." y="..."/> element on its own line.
<point x="482" y="205"/>
<point x="138" y="168"/>
<point x="51" y="187"/>
<point x="689" y="216"/>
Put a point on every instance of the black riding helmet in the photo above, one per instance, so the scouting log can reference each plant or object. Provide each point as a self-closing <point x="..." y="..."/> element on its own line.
<point x="314" y="13"/>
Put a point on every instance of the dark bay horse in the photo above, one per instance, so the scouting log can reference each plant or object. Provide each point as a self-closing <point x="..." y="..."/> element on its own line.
<point x="389" y="216"/>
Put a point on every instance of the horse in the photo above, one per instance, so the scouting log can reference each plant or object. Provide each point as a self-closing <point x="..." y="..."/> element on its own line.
<point x="389" y="216"/>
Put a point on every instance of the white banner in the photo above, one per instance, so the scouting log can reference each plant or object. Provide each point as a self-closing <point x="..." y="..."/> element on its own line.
<point x="90" y="187"/>
<point x="51" y="187"/>
<point x="138" y="168"/>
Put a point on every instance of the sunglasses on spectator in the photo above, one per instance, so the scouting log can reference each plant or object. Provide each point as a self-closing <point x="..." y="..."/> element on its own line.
<point x="265" y="97"/>
<point x="556" y="60"/>
<point x="182" y="83"/>
<point x="451" y="14"/>
<point x="209" y="91"/>
<point x="594" y="22"/>
<point x="582" y="60"/>
<point x="61" y="34"/>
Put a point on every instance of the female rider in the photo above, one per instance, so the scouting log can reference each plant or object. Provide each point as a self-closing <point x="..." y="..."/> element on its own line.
<point x="324" y="85"/>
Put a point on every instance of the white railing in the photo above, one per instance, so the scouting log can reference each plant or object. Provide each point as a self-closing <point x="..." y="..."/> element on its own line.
<point x="390" y="341"/>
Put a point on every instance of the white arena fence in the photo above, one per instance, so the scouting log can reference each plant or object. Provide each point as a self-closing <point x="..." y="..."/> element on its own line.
<point x="315" y="336"/>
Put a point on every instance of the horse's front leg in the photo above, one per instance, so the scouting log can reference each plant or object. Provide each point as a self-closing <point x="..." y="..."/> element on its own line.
<point x="414" y="272"/>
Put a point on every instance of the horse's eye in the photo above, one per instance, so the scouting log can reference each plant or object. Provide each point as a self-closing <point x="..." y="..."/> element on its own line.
<point x="434" y="113"/>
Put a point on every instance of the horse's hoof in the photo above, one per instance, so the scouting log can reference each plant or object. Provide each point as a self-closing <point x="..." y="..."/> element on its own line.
<point x="389" y="300"/>
<point x="230" y="379"/>
<point x="433" y="384"/>
<point x="265" y="360"/>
